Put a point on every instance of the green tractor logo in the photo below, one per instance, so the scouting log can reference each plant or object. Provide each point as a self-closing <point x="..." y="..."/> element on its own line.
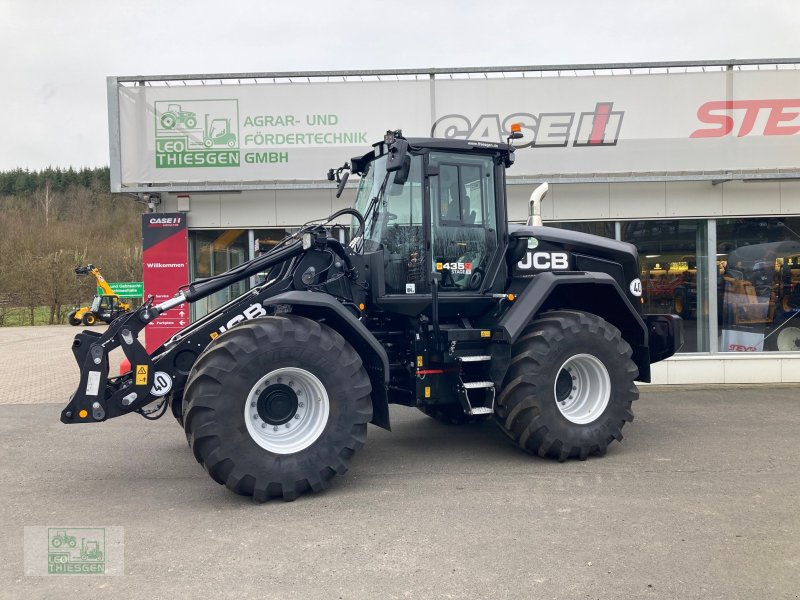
<point x="60" y="538"/>
<point x="175" y="116"/>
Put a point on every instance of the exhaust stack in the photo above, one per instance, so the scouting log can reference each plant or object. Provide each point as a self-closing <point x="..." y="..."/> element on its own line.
<point x="535" y="204"/>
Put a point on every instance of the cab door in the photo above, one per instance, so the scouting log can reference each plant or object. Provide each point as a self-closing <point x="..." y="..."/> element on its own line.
<point x="464" y="235"/>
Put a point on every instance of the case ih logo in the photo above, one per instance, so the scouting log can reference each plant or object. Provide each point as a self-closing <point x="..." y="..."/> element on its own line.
<point x="777" y="117"/>
<point x="164" y="221"/>
<point x="599" y="127"/>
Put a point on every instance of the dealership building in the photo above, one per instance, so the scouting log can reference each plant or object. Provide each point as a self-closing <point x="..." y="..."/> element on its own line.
<point x="696" y="163"/>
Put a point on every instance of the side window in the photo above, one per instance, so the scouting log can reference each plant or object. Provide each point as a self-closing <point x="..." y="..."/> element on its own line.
<point x="449" y="195"/>
<point x="472" y="202"/>
<point x="464" y="231"/>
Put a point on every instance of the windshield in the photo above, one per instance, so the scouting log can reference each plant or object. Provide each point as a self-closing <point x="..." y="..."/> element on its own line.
<point x="96" y="304"/>
<point x="384" y="202"/>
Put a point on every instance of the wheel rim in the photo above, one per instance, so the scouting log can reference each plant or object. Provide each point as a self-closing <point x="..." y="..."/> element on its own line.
<point x="287" y="410"/>
<point x="788" y="339"/>
<point x="582" y="389"/>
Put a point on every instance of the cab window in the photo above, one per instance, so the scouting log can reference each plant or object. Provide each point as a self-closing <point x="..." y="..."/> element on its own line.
<point x="464" y="223"/>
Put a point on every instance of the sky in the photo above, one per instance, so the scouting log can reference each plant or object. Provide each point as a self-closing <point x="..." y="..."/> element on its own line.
<point x="55" y="55"/>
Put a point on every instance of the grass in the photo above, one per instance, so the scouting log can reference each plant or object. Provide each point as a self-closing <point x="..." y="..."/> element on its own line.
<point x="21" y="316"/>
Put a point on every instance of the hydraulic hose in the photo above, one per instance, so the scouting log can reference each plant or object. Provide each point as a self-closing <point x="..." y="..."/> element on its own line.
<point x="205" y="287"/>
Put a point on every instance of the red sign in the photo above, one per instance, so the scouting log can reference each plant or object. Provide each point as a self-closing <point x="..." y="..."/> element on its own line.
<point x="782" y="117"/>
<point x="165" y="268"/>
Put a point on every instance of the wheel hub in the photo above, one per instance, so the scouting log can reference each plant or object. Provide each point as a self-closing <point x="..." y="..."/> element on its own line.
<point x="582" y="389"/>
<point x="286" y="410"/>
<point x="277" y="404"/>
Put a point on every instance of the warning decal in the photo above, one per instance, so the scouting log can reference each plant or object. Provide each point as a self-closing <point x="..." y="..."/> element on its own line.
<point x="141" y="374"/>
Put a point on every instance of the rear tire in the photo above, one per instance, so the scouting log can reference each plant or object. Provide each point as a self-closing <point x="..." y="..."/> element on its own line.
<point x="89" y="319"/>
<point x="247" y="419"/>
<point x="569" y="387"/>
<point x="168" y="121"/>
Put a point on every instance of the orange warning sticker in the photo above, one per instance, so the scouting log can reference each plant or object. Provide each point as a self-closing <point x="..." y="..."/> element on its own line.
<point x="141" y="374"/>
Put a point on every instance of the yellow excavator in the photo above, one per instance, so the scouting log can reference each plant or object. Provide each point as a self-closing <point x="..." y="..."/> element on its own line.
<point x="106" y="307"/>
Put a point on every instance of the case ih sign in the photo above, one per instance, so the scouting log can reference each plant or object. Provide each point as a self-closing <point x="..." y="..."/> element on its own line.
<point x="165" y="268"/>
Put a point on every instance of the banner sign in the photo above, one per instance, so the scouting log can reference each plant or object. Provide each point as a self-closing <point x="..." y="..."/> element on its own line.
<point x="125" y="289"/>
<point x="165" y="268"/>
<point x="581" y="125"/>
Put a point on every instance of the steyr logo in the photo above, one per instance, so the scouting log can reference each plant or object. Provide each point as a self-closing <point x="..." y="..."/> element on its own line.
<point x="779" y="117"/>
<point x="600" y="127"/>
<point x="196" y="133"/>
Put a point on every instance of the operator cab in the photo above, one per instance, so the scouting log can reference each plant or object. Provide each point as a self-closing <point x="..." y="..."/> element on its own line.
<point x="433" y="206"/>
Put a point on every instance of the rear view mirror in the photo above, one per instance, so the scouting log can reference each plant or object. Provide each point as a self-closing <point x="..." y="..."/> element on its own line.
<point x="397" y="155"/>
<point x="342" y="183"/>
<point x="402" y="173"/>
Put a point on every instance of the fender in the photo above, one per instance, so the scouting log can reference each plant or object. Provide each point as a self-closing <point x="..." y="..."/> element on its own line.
<point x="597" y="293"/>
<point x="316" y="306"/>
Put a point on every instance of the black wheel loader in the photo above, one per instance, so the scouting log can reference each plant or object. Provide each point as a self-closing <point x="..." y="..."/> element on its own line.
<point x="436" y="302"/>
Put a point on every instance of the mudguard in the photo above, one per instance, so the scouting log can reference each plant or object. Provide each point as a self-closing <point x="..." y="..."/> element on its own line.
<point x="597" y="293"/>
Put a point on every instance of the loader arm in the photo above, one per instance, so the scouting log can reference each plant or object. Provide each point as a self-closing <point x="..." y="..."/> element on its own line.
<point x="100" y="397"/>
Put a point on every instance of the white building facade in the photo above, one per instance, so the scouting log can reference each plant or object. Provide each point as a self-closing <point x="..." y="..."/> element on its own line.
<point x="698" y="164"/>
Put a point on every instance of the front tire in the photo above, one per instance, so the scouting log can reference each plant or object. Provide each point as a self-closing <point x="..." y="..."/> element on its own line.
<point x="72" y="320"/>
<point x="569" y="387"/>
<point x="276" y="407"/>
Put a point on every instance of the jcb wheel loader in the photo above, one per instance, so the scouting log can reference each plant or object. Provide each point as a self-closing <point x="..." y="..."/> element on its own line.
<point x="437" y="302"/>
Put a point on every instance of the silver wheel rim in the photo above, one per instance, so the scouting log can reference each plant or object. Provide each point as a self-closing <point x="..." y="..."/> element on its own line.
<point x="589" y="390"/>
<point x="787" y="339"/>
<point x="305" y="423"/>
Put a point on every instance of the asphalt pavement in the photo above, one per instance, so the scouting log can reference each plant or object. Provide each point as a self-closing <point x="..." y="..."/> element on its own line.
<point x="701" y="500"/>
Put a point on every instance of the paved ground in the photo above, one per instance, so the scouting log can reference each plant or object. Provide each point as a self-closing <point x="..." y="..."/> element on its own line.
<point x="38" y="365"/>
<point x="700" y="501"/>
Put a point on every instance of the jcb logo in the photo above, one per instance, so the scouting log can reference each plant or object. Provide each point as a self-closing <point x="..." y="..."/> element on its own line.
<point x="251" y="312"/>
<point x="545" y="261"/>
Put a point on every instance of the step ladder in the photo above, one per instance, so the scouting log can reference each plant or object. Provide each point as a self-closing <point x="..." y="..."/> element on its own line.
<point x="475" y="390"/>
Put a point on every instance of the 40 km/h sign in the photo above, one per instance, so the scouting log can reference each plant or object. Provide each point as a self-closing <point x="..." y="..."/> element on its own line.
<point x="125" y="289"/>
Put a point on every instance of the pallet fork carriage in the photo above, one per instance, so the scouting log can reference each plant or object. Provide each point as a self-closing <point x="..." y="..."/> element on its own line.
<point x="437" y="302"/>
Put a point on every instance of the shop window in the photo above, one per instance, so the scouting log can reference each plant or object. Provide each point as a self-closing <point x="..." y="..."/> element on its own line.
<point x="601" y="228"/>
<point x="673" y="259"/>
<point x="265" y="240"/>
<point x="212" y="253"/>
<point x="758" y="284"/>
